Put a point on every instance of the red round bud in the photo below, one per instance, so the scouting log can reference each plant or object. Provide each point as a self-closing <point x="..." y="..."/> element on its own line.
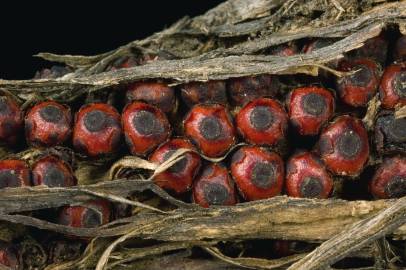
<point x="399" y="52"/>
<point x="309" y="108"/>
<point x="97" y="130"/>
<point x="124" y="62"/>
<point x="390" y="133"/>
<point x="52" y="171"/>
<point x="8" y="256"/>
<point x="53" y="72"/>
<point x="145" y="127"/>
<point x="214" y="187"/>
<point x="11" y="120"/>
<point x="375" y="49"/>
<point x="245" y="89"/>
<point x="307" y="177"/>
<point x="204" y="92"/>
<point x="389" y="180"/>
<point x="263" y="122"/>
<point x="316" y="44"/>
<point x="359" y="87"/>
<point x="48" y="124"/>
<point x="343" y="146"/>
<point x="88" y="215"/>
<point x="179" y="177"/>
<point x="392" y="88"/>
<point x="14" y="173"/>
<point x="154" y="93"/>
<point x="259" y="174"/>
<point x="210" y="128"/>
<point x="287" y="49"/>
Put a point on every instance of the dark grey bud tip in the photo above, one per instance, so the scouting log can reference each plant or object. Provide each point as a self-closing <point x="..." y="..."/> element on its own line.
<point x="314" y="104"/>
<point x="95" y="121"/>
<point x="349" y="144"/>
<point x="4" y="108"/>
<point x="261" y="118"/>
<point x="263" y="175"/>
<point x="311" y="187"/>
<point x="362" y="76"/>
<point x="397" y="129"/>
<point x="8" y="179"/>
<point x="92" y="218"/>
<point x="54" y="177"/>
<point x="51" y="114"/>
<point x="400" y="84"/>
<point x="396" y="187"/>
<point x="178" y="166"/>
<point x="147" y="124"/>
<point x="210" y="128"/>
<point x="215" y="194"/>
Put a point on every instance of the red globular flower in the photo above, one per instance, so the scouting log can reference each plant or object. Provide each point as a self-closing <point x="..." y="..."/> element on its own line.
<point x="48" y="124"/>
<point x="287" y="49"/>
<point x="204" y="92"/>
<point x="392" y="88"/>
<point x="179" y="177"/>
<point x="210" y="127"/>
<point x="154" y="93"/>
<point x="97" y="130"/>
<point x="244" y="89"/>
<point x="309" y="108"/>
<point x="52" y="171"/>
<point x="8" y="256"/>
<point x="259" y="174"/>
<point x="359" y="87"/>
<point x="11" y="120"/>
<point x="343" y="146"/>
<point x="307" y="177"/>
<point x="399" y="52"/>
<point x="389" y="180"/>
<point x="390" y="133"/>
<point x="316" y="44"/>
<point x="14" y="173"/>
<point x="145" y="127"/>
<point x="263" y="122"/>
<point x="214" y="187"/>
<point x="88" y="215"/>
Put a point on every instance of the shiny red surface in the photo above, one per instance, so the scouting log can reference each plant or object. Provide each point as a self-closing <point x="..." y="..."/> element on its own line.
<point x="273" y="134"/>
<point x="11" y="121"/>
<point x="217" y="174"/>
<point x="388" y="95"/>
<point x="242" y="168"/>
<point x="42" y="166"/>
<point x="390" y="168"/>
<point x="154" y="93"/>
<point x="40" y="132"/>
<point x="204" y="92"/>
<point x="18" y="168"/>
<point x="73" y="215"/>
<point x="101" y="142"/>
<point x="216" y="147"/>
<point x="179" y="181"/>
<point x="308" y="124"/>
<point x="327" y="146"/>
<point x="357" y="95"/>
<point x="301" y="166"/>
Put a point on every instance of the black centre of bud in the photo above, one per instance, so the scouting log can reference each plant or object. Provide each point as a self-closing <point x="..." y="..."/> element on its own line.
<point x="147" y="124"/>
<point x="4" y="105"/>
<point x="396" y="187"/>
<point x="8" y="179"/>
<point x="261" y="118"/>
<point x="400" y="84"/>
<point x="314" y="104"/>
<point x="397" y="129"/>
<point x="311" y="187"/>
<point x="179" y="166"/>
<point x="54" y="177"/>
<point x="51" y="114"/>
<point x="210" y="128"/>
<point x="92" y="218"/>
<point x="362" y="76"/>
<point x="349" y="144"/>
<point x="95" y="121"/>
<point x="215" y="194"/>
<point x="263" y="175"/>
